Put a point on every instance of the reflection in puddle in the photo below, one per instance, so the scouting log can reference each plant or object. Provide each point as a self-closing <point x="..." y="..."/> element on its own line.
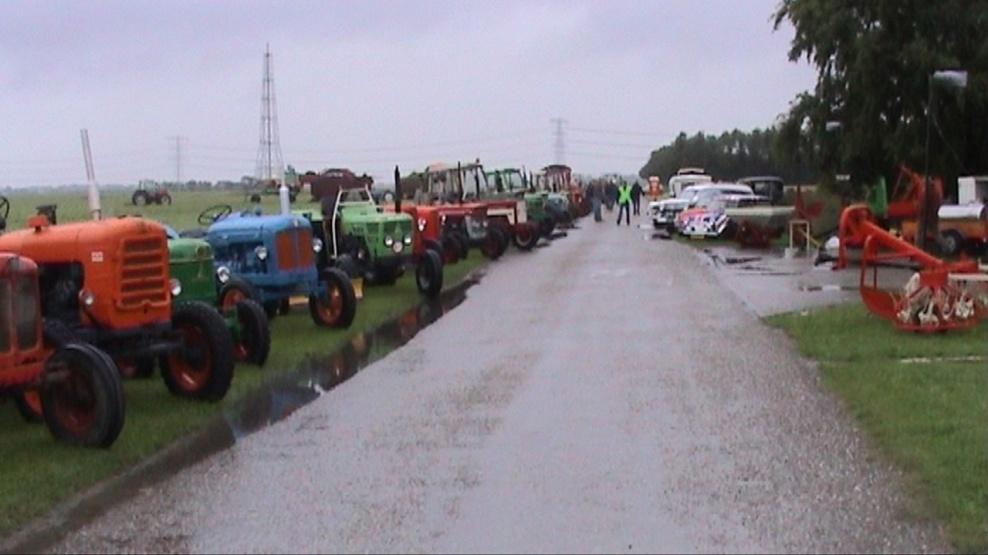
<point x="318" y="374"/>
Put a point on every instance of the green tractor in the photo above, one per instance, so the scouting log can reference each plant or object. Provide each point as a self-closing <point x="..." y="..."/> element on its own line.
<point x="516" y="183"/>
<point x="367" y="243"/>
<point x="191" y="263"/>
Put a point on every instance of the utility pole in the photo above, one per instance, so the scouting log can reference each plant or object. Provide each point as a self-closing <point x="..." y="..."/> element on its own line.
<point x="270" y="167"/>
<point x="559" y="143"/>
<point x="178" y="139"/>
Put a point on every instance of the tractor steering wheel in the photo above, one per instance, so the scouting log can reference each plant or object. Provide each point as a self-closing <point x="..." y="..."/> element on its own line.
<point x="214" y="214"/>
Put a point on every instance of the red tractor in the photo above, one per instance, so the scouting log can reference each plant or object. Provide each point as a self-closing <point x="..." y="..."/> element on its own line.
<point x="155" y="194"/>
<point x="75" y="388"/>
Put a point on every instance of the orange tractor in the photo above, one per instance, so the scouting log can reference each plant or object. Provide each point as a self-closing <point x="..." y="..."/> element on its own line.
<point x="106" y="283"/>
<point x="75" y="388"/>
<point x="940" y="296"/>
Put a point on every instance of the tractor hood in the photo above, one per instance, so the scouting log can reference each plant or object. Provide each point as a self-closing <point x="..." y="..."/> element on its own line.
<point x="188" y="250"/>
<point x="246" y="223"/>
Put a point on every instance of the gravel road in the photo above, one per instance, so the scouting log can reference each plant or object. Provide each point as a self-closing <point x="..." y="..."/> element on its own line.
<point x="605" y="393"/>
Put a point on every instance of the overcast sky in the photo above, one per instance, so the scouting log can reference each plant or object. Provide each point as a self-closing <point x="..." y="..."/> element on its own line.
<point x="367" y="85"/>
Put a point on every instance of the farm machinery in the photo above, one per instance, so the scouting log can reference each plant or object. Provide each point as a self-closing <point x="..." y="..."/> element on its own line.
<point x="74" y="387"/>
<point x="106" y="283"/>
<point x="461" y="224"/>
<point x="940" y="296"/>
<point x="190" y="261"/>
<point x="272" y="258"/>
<point x="367" y="243"/>
<point x="152" y="193"/>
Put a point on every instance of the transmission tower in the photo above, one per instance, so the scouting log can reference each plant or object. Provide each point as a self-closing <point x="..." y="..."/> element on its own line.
<point x="559" y="143"/>
<point x="270" y="167"/>
<point x="177" y="139"/>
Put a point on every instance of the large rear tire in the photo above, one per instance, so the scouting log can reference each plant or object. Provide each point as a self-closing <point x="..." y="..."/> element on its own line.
<point x="166" y="199"/>
<point x="203" y="367"/>
<point x="83" y="398"/>
<point x="338" y="306"/>
<point x="139" y="198"/>
<point x="429" y="274"/>
<point x="253" y="341"/>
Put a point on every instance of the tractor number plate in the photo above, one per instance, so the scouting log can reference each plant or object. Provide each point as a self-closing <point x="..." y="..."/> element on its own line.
<point x="97" y="256"/>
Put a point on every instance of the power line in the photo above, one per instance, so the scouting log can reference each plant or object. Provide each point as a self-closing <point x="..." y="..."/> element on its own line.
<point x="609" y="144"/>
<point x="178" y="139"/>
<point x="615" y="132"/>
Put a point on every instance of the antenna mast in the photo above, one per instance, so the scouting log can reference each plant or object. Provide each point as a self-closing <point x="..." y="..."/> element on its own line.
<point x="270" y="167"/>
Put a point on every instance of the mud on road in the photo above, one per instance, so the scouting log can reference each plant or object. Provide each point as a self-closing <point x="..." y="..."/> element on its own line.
<point x="602" y="394"/>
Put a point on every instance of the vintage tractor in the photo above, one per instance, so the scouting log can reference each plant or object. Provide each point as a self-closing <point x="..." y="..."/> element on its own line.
<point x="74" y="387"/>
<point x="370" y="244"/>
<point x="273" y="258"/>
<point x="461" y="225"/>
<point x="940" y="296"/>
<point x="150" y="194"/>
<point x="191" y="262"/>
<point x="106" y="283"/>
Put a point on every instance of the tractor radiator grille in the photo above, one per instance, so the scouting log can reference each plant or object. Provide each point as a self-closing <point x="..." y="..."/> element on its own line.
<point x="294" y="249"/>
<point x="143" y="271"/>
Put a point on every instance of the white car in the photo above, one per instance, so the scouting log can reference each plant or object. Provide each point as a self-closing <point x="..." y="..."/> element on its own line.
<point x="666" y="213"/>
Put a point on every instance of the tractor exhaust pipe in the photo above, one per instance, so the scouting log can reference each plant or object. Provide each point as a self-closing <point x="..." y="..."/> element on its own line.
<point x="397" y="191"/>
<point x="95" y="210"/>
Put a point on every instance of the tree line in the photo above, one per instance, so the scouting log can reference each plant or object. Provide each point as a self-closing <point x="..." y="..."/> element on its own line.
<point x="874" y="100"/>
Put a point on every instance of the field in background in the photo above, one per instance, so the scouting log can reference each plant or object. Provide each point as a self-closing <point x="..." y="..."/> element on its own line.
<point x="38" y="472"/>
<point x="929" y="414"/>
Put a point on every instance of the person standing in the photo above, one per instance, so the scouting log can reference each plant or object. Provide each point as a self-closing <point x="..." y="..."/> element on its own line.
<point x="624" y="203"/>
<point x="636" y="197"/>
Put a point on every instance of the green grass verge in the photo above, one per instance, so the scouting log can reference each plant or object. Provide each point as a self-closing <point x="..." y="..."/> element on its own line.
<point x="38" y="472"/>
<point x="930" y="418"/>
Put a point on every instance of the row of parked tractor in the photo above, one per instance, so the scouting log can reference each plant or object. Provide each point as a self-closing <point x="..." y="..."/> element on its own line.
<point x="85" y="304"/>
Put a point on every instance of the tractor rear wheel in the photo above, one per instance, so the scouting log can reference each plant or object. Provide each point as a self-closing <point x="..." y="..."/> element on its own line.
<point x="203" y="367"/>
<point x="139" y="198"/>
<point x="337" y="307"/>
<point x="526" y="236"/>
<point x="166" y="199"/>
<point x="29" y="405"/>
<point x="83" y="399"/>
<point x="429" y="274"/>
<point x="253" y="342"/>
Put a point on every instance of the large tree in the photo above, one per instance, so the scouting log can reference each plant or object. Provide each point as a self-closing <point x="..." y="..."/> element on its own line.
<point x="874" y="59"/>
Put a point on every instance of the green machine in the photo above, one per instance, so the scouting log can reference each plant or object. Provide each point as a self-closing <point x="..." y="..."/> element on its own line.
<point x="191" y="263"/>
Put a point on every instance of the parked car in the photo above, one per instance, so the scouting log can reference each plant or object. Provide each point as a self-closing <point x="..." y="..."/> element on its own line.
<point x="687" y="177"/>
<point x="767" y="186"/>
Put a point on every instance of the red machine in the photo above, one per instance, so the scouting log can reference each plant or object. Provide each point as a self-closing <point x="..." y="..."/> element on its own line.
<point x="940" y="296"/>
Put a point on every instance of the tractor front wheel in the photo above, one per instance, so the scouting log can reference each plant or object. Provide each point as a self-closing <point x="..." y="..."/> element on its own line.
<point x="450" y="250"/>
<point x="463" y="244"/>
<point x="429" y="274"/>
<point x="253" y="342"/>
<point x="202" y="368"/>
<point x="526" y="236"/>
<point x="29" y="405"/>
<point x="494" y="244"/>
<point x="336" y="307"/>
<point x="83" y="399"/>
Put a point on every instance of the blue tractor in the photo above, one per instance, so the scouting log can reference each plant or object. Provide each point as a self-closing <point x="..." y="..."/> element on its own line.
<point x="272" y="258"/>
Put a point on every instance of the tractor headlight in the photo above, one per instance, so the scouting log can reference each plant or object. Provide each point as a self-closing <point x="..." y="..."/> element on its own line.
<point x="408" y="240"/>
<point x="442" y="219"/>
<point x="176" y="287"/>
<point x="261" y="251"/>
<point x="87" y="297"/>
<point x="316" y="244"/>
<point x="223" y="274"/>
<point x="421" y="224"/>
<point x="388" y="241"/>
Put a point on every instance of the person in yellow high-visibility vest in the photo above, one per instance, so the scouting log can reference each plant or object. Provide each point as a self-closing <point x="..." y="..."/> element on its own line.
<point x="624" y="203"/>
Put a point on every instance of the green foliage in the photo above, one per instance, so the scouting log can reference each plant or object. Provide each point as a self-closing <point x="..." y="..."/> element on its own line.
<point x="732" y="155"/>
<point x="874" y="59"/>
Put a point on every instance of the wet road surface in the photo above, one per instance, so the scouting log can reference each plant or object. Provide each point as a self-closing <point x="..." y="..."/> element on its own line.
<point x="602" y="394"/>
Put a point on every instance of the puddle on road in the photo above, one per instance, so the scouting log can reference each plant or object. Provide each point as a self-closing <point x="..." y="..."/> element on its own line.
<point x="276" y="399"/>
<point x="320" y="373"/>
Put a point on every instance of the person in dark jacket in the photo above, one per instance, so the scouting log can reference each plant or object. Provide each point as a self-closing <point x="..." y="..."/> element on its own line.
<point x="636" y="197"/>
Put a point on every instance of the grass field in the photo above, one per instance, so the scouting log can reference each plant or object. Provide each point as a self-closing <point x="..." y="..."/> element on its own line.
<point x="38" y="472"/>
<point x="930" y="417"/>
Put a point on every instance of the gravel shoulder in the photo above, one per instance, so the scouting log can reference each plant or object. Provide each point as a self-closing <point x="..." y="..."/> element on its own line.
<point x="602" y="394"/>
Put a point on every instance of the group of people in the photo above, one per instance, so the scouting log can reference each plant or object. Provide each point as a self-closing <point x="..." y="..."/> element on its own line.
<point x="627" y="197"/>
